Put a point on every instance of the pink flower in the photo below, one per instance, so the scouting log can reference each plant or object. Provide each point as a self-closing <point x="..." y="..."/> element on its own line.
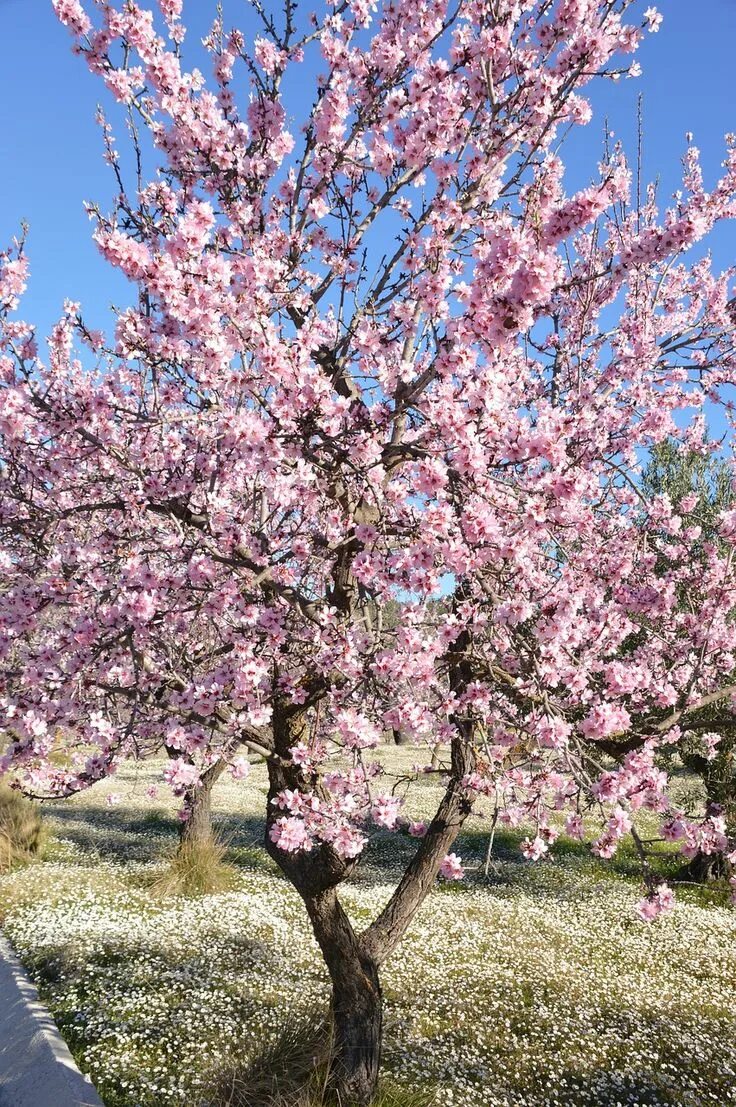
<point x="290" y="834"/>
<point x="72" y="14"/>
<point x="535" y="848"/>
<point x="418" y="829"/>
<point x="620" y="822"/>
<point x="356" y="731"/>
<point x="605" y="719"/>
<point x="653" y="19"/>
<point x="181" y="774"/>
<point x="711" y="740"/>
<point x="574" y="826"/>
<point x="301" y="754"/>
<point x="171" y="9"/>
<point x="385" y="811"/>
<point x="452" y="867"/>
<point x="348" y="842"/>
<point x="290" y="800"/>
<point x="240" y="768"/>
<point x="656" y="903"/>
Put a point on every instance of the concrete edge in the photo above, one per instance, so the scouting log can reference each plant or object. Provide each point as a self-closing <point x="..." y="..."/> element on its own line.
<point x="36" y="1067"/>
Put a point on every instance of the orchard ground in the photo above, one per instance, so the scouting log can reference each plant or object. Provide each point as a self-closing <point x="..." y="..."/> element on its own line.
<point x="537" y="987"/>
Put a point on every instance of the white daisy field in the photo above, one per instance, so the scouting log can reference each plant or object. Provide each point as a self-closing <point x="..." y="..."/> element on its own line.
<point x="537" y="987"/>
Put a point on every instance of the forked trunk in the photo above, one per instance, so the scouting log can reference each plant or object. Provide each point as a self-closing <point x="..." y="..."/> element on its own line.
<point x="352" y="959"/>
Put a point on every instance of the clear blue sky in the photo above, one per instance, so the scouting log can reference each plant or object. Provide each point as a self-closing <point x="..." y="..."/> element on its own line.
<point x="50" y="149"/>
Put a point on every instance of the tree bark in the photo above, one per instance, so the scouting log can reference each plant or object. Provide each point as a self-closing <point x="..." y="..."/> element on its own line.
<point x="705" y="868"/>
<point x="357" y="1005"/>
<point x="719" y="779"/>
<point x="196" y="830"/>
<point x="357" y="1013"/>
<point x="352" y="959"/>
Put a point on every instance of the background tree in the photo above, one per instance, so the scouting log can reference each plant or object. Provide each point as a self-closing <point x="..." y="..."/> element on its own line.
<point x="386" y="358"/>
<point x="700" y="483"/>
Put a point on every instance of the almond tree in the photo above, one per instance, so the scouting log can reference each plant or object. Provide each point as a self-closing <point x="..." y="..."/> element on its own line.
<point x="378" y="354"/>
<point x="699" y="483"/>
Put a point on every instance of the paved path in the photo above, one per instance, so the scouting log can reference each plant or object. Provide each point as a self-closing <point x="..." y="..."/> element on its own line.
<point x="36" y="1068"/>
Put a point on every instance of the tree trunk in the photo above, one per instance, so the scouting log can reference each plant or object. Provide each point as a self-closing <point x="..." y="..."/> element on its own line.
<point x="356" y="992"/>
<point x="704" y="868"/>
<point x="719" y="779"/>
<point x="357" y="1006"/>
<point x="196" y="830"/>
<point x="352" y="959"/>
<point x="357" y="1013"/>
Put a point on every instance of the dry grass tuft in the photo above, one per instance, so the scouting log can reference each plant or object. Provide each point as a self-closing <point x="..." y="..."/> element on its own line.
<point x="197" y="868"/>
<point x="21" y="829"/>
<point x="290" y="1072"/>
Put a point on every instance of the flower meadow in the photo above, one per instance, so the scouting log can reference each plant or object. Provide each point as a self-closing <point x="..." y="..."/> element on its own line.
<point x="536" y="987"/>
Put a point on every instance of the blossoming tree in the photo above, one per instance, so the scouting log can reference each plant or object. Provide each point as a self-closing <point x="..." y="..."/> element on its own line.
<point x="701" y="483"/>
<point x="377" y="354"/>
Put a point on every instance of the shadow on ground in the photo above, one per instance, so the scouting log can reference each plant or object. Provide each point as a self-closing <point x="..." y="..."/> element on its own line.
<point x="122" y="834"/>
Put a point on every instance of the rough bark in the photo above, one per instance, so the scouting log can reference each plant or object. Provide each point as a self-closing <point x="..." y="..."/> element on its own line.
<point x="356" y="992"/>
<point x="384" y="934"/>
<point x="705" y="868"/>
<point x="357" y="1008"/>
<point x="196" y="830"/>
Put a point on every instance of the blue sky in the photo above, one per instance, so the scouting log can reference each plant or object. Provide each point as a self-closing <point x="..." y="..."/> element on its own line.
<point x="50" y="148"/>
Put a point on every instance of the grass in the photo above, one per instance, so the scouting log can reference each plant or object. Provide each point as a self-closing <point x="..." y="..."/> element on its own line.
<point x="197" y="868"/>
<point x="536" y="988"/>
<point x="21" y="829"/>
<point x="293" y="1071"/>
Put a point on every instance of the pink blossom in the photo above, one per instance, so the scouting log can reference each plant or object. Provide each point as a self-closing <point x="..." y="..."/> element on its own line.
<point x="452" y="867"/>
<point x="385" y="810"/>
<point x="534" y="849"/>
<point x="181" y="774"/>
<point x="240" y="768"/>
<point x="653" y="19"/>
<point x="290" y="834"/>
<point x="73" y="15"/>
<point x="656" y="903"/>
<point x="348" y="842"/>
<point x="605" y="719"/>
<point x="574" y="826"/>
